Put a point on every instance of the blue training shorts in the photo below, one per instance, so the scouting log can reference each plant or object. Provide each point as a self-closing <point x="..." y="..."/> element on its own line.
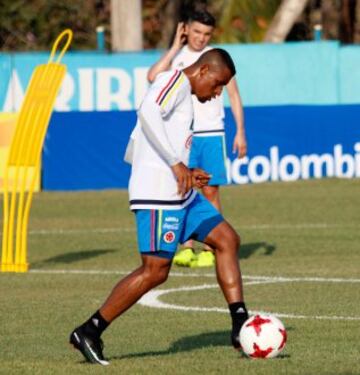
<point x="209" y="154"/>
<point x="160" y="231"/>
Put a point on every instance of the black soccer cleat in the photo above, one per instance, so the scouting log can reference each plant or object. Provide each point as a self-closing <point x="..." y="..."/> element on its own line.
<point x="235" y="339"/>
<point x="90" y="347"/>
<point x="236" y="328"/>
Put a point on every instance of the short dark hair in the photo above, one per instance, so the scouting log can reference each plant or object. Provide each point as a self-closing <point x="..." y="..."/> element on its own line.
<point x="203" y="17"/>
<point x="226" y="59"/>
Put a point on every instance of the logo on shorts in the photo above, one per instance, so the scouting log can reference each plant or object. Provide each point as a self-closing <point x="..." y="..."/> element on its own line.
<point x="167" y="226"/>
<point x="172" y="219"/>
<point x="169" y="237"/>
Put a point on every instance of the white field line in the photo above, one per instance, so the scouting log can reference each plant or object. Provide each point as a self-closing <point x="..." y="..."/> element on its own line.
<point x="45" y="232"/>
<point x="151" y="299"/>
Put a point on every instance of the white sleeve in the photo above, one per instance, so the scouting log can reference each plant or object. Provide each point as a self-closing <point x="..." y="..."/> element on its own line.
<point x="154" y="129"/>
<point x="160" y="101"/>
<point x="129" y="152"/>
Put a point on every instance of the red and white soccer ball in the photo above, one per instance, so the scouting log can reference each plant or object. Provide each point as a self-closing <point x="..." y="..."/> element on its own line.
<point x="262" y="336"/>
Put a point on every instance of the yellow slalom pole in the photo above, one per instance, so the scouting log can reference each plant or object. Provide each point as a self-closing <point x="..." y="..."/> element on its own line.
<point x="22" y="169"/>
<point x="57" y="77"/>
<point x="6" y="253"/>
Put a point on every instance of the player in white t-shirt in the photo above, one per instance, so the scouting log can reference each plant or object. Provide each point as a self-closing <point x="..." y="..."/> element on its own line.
<point x="167" y="210"/>
<point x="208" y="150"/>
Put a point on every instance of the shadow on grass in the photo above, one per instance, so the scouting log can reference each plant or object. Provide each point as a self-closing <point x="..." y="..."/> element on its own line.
<point x="76" y="256"/>
<point x="190" y="343"/>
<point x="248" y="249"/>
<point x="186" y="344"/>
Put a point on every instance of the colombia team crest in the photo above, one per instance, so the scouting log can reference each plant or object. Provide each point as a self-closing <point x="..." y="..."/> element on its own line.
<point x="169" y="236"/>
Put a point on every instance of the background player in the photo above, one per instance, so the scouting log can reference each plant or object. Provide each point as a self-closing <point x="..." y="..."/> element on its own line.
<point x="208" y="145"/>
<point x="167" y="209"/>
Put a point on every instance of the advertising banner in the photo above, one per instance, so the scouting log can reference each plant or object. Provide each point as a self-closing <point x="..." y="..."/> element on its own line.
<point x="349" y="74"/>
<point x="285" y="143"/>
<point x="267" y="74"/>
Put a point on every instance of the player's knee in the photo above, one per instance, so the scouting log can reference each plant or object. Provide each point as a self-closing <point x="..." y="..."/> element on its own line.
<point x="162" y="276"/>
<point x="155" y="275"/>
<point x="231" y="239"/>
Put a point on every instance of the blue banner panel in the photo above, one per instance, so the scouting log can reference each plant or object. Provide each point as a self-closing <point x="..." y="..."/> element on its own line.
<point x="349" y="75"/>
<point x="289" y="143"/>
<point x="287" y="73"/>
<point x="5" y="73"/>
<point x="94" y="81"/>
<point x="267" y="74"/>
<point x="84" y="150"/>
<point x="285" y="143"/>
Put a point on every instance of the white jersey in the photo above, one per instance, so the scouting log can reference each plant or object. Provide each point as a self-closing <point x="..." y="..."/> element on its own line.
<point x="161" y="138"/>
<point x="208" y="116"/>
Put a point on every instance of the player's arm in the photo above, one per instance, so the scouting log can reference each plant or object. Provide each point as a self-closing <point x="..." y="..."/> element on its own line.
<point x="239" y="144"/>
<point x="153" y="127"/>
<point x="154" y="130"/>
<point x="165" y="62"/>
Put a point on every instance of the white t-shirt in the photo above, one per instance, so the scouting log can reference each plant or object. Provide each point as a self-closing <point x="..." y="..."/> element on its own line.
<point x="208" y="116"/>
<point x="161" y="138"/>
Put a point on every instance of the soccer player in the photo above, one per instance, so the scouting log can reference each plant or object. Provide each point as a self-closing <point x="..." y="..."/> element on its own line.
<point x="168" y="210"/>
<point x="208" y="145"/>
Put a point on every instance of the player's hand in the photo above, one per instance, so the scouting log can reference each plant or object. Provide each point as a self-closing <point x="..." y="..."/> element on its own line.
<point x="180" y="36"/>
<point x="184" y="178"/>
<point x="200" y="178"/>
<point x="239" y="145"/>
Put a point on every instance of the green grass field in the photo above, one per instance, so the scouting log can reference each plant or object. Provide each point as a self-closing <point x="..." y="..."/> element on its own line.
<point x="80" y="244"/>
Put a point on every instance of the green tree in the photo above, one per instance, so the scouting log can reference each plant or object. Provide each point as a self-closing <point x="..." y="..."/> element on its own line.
<point x="244" y="21"/>
<point x="34" y="25"/>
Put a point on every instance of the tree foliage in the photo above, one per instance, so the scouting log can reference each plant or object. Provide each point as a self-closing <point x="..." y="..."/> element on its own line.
<point x="33" y="25"/>
<point x="243" y="21"/>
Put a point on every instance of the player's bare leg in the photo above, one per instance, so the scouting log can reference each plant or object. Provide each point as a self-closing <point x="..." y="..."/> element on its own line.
<point x="212" y="194"/>
<point x="226" y="241"/>
<point x="153" y="272"/>
<point x="86" y="338"/>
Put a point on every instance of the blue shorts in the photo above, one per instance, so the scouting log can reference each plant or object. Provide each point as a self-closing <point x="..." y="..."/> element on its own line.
<point x="160" y="231"/>
<point x="209" y="154"/>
